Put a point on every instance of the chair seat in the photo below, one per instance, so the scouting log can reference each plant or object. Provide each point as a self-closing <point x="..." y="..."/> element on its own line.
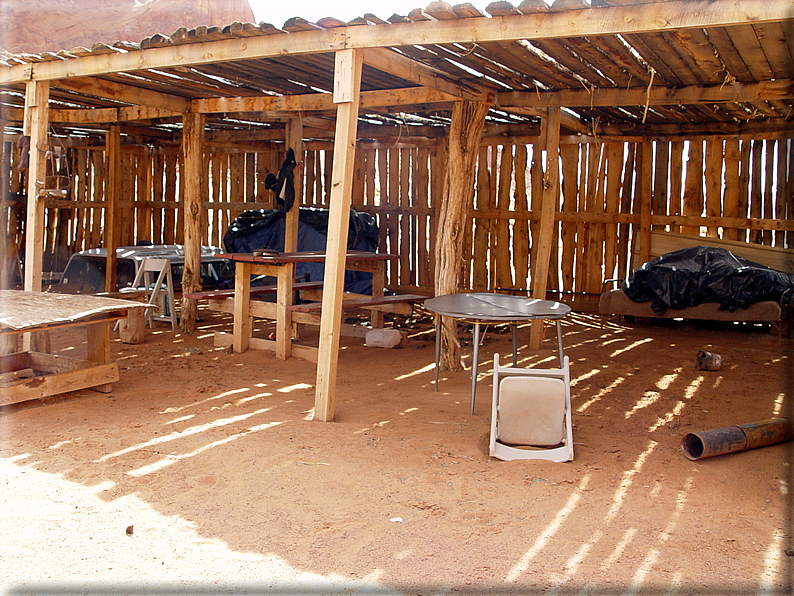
<point x="531" y="413"/>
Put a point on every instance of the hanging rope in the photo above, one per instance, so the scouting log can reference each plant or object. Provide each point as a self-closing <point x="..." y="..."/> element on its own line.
<point x="648" y="96"/>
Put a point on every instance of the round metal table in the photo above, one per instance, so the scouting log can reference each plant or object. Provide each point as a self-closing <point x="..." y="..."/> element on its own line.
<point x="480" y="308"/>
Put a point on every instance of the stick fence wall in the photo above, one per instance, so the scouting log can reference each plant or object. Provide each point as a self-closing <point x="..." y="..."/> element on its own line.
<point x="735" y="189"/>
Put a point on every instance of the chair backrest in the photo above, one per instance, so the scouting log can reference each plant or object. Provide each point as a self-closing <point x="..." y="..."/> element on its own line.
<point x="531" y="413"/>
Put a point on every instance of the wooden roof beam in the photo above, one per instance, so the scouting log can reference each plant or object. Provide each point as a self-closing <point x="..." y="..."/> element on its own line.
<point x="612" y="20"/>
<point x="411" y="70"/>
<point x="318" y="102"/>
<point x="125" y="93"/>
<point x="659" y="96"/>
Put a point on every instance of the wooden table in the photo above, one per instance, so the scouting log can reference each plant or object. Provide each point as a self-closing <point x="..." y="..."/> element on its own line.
<point x="282" y="267"/>
<point x="480" y="308"/>
<point x="35" y="374"/>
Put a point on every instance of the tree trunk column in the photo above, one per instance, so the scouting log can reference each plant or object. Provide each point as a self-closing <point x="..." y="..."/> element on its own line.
<point x="465" y="130"/>
<point x="192" y="152"/>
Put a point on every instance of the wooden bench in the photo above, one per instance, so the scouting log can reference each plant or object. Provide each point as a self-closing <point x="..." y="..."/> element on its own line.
<point x="361" y="302"/>
<point x="255" y="291"/>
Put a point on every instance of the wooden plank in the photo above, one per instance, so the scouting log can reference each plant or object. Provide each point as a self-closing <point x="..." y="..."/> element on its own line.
<point x="713" y="178"/>
<point x="693" y="190"/>
<point x="744" y="185"/>
<point x="782" y="190"/>
<point x="504" y="275"/>
<point x="479" y="275"/>
<point x="731" y="197"/>
<point x="612" y="203"/>
<point x="644" y="178"/>
<point x="520" y="226"/>
<point x="570" y="162"/>
<point x="347" y="84"/>
<point x="676" y="177"/>
<point x="756" y="188"/>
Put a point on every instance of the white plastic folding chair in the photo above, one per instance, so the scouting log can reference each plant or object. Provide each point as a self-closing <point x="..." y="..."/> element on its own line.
<point x="531" y="413"/>
<point x="143" y="281"/>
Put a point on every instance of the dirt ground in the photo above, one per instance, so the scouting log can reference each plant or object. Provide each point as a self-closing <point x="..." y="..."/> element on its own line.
<point x="203" y="473"/>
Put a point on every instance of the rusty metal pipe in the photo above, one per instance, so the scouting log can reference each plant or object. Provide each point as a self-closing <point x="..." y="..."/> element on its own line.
<point x="708" y="443"/>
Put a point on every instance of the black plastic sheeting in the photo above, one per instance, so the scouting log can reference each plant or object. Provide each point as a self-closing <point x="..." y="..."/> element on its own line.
<point x="264" y="228"/>
<point x="692" y="276"/>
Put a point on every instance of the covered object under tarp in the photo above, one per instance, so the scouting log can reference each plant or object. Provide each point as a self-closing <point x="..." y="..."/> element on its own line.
<point x="702" y="274"/>
<point x="264" y="228"/>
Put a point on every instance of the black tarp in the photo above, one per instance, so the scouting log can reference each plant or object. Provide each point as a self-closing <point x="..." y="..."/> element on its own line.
<point x="264" y="228"/>
<point x="700" y="274"/>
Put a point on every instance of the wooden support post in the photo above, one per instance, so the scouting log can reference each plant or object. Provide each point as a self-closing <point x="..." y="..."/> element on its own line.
<point x="37" y="96"/>
<point x="192" y="155"/>
<point x="347" y="85"/>
<point x="465" y="130"/>
<point x="645" y="161"/>
<point x="294" y="139"/>
<point x="113" y="196"/>
<point x="548" y="211"/>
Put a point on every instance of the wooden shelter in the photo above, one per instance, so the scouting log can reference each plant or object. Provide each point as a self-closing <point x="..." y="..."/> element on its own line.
<point x="529" y="146"/>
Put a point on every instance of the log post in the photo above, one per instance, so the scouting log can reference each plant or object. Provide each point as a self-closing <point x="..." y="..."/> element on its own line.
<point x="465" y="130"/>
<point x="550" y="199"/>
<point x="347" y="86"/>
<point x="192" y="154"/>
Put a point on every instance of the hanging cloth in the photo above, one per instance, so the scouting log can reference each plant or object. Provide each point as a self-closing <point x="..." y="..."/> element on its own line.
<point x="283" y="185"/>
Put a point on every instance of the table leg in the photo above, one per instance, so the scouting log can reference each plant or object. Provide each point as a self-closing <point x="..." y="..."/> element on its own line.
<point x="284" y="298"/>
<point x="475" y="364"/>
<point x="515" y="345"/>
<point x="378" y="283"/>
<point x="242" y="303"/>
<point x="438" y="347"/>
<point x="98" y="344"/>
<point x="560" y="351"/>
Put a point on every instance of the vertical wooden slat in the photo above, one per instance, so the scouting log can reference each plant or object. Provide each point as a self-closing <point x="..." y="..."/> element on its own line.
<point x="661" y="177"/>
<point x="645" y="160"/>
<point x="626" y="199"/>
<point x="744" y="185"/>
<point x="713" y="175"/>
<point x="404" y="228"/>
<point x="423" y="202"/>
<point x="769" y="184"/>
<point x="756" y="188"/>
<point x="99" y="214"/>
<point x="504" y="276"/>
<point x="536" y="201"/>
<point x="782" y="190"/>
<point x="693" y="192"/>
<point x="521" y="225"/>
<point x="676" y="180"/>
<point x="614" y="171"/>
<point x="570" y="178"/>
<point x="479" y="276"/>
<point x="731" y="197"/>
<point x="169" y="221"/>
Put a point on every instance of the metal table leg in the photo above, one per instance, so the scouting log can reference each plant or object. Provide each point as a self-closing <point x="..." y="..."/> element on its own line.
<point x="438" y="347"/>
<point x="560" y="351"/>
<point x="515" y="345"/>
<point x="475" y="364"/>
